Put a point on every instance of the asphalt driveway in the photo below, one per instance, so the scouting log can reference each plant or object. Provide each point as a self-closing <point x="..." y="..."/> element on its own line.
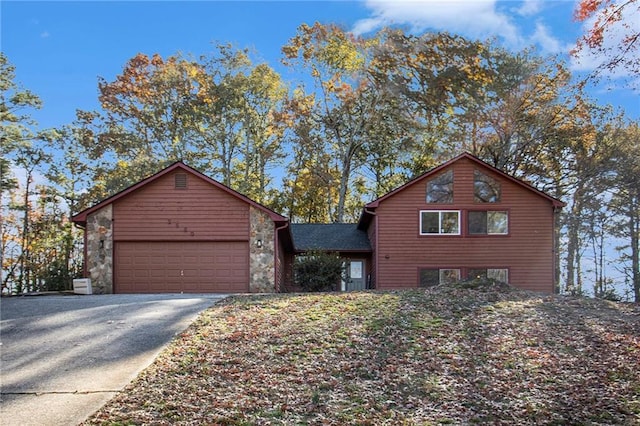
<point x="63" y="357"/>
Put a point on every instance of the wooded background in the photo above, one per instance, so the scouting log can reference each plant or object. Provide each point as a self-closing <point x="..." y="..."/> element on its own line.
<point x="363" y="116"/>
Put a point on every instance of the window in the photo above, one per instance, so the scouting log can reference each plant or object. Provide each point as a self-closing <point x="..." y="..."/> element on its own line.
<point x="448" y="276"/>
<point x="431" y="277"/>
<point x="501" y="275"/>
<point x="443" y="222"/>
<point x="488" y="222"/>
<point x="485" y="188"/>
<point x="440" y="188"/>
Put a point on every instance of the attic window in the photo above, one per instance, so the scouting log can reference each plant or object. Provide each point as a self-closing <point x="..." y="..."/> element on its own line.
<point x="485" y="188"/>
<point x="440" y="188"/>
<point x="180" y="181"/>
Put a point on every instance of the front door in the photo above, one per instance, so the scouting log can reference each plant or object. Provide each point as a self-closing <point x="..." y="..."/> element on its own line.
<point x="355" y="274"/>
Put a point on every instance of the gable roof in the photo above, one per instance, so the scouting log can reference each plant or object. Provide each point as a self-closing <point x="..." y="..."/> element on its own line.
<point x="329" y="237"/>
<point x="81" y="218"/>
<point x="365" y="218"/>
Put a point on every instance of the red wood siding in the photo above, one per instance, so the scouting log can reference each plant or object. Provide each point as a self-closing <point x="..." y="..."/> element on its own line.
<point x="526" y="251"/>
<point x="159" y="211"/>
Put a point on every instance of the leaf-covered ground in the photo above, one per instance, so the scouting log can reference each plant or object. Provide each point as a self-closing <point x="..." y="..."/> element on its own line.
<point x="446" y="355"/>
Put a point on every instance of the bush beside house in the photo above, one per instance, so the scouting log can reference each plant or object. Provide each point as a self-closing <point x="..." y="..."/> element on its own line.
<point x="318" y="271"/>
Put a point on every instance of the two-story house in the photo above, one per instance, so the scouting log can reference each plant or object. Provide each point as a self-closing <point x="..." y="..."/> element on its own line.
<point x="463" y="219"/>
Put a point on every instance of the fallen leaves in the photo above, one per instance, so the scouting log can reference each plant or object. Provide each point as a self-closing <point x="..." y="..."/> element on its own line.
<point x="448" y="354"/>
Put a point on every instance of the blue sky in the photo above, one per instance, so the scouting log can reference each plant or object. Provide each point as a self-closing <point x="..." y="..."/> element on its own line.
<point x="60" y="48"/>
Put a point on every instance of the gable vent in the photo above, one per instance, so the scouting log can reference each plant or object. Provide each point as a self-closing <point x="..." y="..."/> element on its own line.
<point x="181" y="181"/>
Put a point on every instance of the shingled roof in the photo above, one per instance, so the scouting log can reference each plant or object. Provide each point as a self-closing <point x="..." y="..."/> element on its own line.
<point x="329" y="237"/>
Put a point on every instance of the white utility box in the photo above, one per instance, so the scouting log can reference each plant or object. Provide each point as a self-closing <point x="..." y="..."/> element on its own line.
<point x="82" y="286"/>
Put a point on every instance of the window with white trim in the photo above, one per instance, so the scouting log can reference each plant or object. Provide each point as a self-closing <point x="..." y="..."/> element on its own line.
<point x="439" y="222"/>
<point x="488" y="222"/>
<point x="449" y="276"/>
<point x="501" y="275"/>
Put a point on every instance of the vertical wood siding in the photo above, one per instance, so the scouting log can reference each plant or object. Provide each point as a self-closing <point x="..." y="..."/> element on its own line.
<point x="200" y="212"/>
<point x="527" y="251"/>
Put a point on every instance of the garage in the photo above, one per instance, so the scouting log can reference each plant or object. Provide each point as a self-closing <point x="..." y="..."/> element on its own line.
<point x="175" y="267"/>
<point x="179" y="231"/>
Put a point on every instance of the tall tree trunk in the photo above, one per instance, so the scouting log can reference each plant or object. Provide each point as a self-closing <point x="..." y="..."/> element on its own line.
<point x="556" y="252"/>
<point x="23" y="278"/>
<point x="634" y="230"/>
<point x="573" y="240"/>
<point x="344" y="186"/>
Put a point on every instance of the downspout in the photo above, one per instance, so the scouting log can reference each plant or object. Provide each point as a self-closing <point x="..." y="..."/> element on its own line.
<point x="375" y="249"/>
<point x="275" y="254"/>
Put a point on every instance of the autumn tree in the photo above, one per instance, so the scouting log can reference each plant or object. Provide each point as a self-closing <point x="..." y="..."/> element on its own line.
<point x="147" y="117"/>
<point x="16" y="125"/>
<point x="22" y="272"/>
<point x="580" y="166"/>
<point x="342" y="100"/>
<point x="240" y="138"/>
<point x="70" y="172"/>
<point x="16" y="134"/>
<point x="518" y="110"/>
<point x="428" y="75"/>
<point x="390" y="145"/>
<point x="263" y="99"/>
<point x="612" y="34"/>
<point x="220" y="112"/>
<point x="308" y="191"/>
<point x="625" y="202"/>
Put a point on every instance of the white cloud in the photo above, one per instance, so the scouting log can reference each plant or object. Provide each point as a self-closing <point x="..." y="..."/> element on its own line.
<point x="481" y="19"/>
<point x="547" y="42"/>
<point x="45" y="34"/>
<point x="478" y="18"/>
<point x="530" y="8"/>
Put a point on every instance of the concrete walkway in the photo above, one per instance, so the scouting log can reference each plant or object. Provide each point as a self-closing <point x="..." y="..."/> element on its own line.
<point x="63" y="357"/>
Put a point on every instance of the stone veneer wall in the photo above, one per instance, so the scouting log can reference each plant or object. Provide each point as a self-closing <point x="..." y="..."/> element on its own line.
<point x="100" y="250"/>
<point x="261" y="260"/>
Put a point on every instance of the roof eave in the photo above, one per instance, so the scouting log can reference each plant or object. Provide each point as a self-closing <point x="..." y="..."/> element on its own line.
<point x="375" y="203"/>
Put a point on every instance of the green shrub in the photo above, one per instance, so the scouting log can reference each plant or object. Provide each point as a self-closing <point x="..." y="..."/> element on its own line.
<point x="56" y="277"/>
<point x="318" y="271"/>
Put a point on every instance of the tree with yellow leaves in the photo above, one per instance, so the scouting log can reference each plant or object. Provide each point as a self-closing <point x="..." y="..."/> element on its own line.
<point x="148" y="112"/>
